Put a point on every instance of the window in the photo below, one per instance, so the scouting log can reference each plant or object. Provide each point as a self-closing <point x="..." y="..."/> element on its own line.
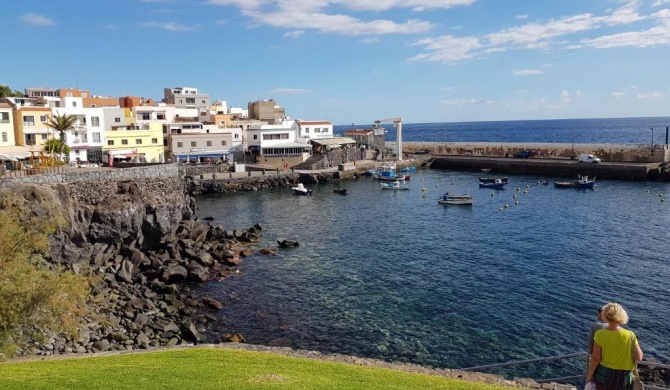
<point x="4" y="117"/>
<point x="255" y="136"/>
<point x="180" y="144"/>
<point x="160" y="116"/>
<point x="95" y="121"/>
<point x="28" y="120"/>
<point x="237" y="136"/>
<point x="96" y="137"/>
<point x="74" y="104"/>
<point x="306" y="130"/>
<point x="194" y="144"/>
<point x="69" y="94"/>
<point x="203" y="102"/>
<point x="154" y="140"/>
<point x="110" y="142"/>
<point x="138" y="141"/>
<point x="43" y="118"/>
<point x="117" y="120"/>
<point x="4" y="136"/>
<point x="190" y="101"/>
<point x="44" y="137"/>
<point x="124" y="142"/>
<point x="76" y="151"/>
<point x="84" y="95"/>
<point x="93" y="106"/>
<point x="223" y="143"/>
<point x="180" y="101"/>
<point x="209" y="143"/>
<point x="165" y="142"/>
<point x="146" y="116"/>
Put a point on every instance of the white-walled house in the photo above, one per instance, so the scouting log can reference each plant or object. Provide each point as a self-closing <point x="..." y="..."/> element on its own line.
<point x="277" y="140"/>
<point x="202" y="143"/>
<point x="86" y="139"/>
<point x="314" y="129"/>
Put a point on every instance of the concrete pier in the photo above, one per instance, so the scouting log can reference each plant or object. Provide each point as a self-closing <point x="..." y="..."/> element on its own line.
<point x="553" y="168"/>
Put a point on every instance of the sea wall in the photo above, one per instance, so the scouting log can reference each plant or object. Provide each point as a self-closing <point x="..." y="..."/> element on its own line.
<point x="607" y="152"/>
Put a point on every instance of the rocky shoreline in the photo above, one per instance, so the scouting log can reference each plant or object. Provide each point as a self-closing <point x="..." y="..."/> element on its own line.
<point x="141" y="244"/>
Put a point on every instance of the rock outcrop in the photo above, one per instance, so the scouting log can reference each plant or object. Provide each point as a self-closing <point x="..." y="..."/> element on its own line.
<point x="139" y="240"/>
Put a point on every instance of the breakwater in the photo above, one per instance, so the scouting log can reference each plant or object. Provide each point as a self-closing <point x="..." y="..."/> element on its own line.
<point x="554" y="168"/>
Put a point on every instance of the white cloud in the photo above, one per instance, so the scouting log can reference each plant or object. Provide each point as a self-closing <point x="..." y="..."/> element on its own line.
<point x="288" y="91"/>
<point x="650" y="95"/>
<point x="447" y="48"/>
<point x="294" y="34"/>
<point x="175" y="27"/>
<point x="368" y="41"/>
<point x="659" y="3"/>
<point x="466" y="102"/>
<point x="525" y="72"/>
<point x="521" y="17"/>
<point x="37" y="19"/>
<point x="618" y="94"/>
<point x="565" y="96"/>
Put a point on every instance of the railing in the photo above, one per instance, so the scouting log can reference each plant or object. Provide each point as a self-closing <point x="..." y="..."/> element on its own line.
<point x="564" y="378"/>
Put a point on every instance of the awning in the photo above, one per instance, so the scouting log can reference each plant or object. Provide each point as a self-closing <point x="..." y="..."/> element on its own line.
<point x="7" y="157"/>
<point x="202" y="154"/>
<point x="333" y="141"/>
<point x="19" y="152"/>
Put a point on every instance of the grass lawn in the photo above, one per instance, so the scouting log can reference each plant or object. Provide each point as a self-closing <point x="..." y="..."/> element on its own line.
<point x="212" y="368"/>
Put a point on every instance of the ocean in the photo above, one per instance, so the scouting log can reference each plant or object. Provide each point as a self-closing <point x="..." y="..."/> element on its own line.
<point x="392" y="275"/>
<point x="584" y="131"/>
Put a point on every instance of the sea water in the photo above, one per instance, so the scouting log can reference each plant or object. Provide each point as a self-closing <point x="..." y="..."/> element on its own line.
<point x="395" y="276"/>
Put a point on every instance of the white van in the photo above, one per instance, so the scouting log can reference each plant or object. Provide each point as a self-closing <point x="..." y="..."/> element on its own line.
<point x="588" y="158"/>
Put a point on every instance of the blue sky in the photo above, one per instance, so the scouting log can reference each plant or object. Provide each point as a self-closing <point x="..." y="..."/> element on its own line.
<point x="354" y="61"/>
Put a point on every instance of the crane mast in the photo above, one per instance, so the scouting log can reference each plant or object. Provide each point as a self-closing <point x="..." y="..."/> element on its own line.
<point x="397" y="122"/>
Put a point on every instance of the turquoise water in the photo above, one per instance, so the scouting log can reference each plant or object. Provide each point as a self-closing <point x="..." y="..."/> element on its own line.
<point x="393" y="275"/>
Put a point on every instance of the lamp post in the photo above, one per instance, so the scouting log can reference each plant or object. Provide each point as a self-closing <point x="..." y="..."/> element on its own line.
<point x="573" y="141"/>
<point x="652" y="140"/>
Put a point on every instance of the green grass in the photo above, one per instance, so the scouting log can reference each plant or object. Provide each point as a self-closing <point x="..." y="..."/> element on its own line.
<point x="212" y="368"/>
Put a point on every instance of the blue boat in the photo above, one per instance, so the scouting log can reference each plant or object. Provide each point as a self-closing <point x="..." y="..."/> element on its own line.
<point x="386" y="172"/>
<point x="496" y="184"/>
<point x="370" y="172"/>
<point x="408" y="169"/>
<point x="581" y="182"/>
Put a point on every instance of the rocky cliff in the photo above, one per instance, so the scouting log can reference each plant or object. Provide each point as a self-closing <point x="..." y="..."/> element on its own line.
<point x="141" y="245"/>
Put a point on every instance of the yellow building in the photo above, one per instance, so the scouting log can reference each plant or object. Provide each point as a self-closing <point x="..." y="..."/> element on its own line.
<point x="134" y="143"/>
<point x="30" y="126"/>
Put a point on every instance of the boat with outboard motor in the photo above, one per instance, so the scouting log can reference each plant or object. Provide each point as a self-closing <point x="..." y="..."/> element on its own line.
<point x="581" y="182"/>
<point x="387" y="172"/>
<point x="396" y="185"/>
<point x="300" y="189"/>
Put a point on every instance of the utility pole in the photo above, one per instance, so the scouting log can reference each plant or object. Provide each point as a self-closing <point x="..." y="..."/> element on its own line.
<point x="652" y="140"/>
<point x="573" y="141"/>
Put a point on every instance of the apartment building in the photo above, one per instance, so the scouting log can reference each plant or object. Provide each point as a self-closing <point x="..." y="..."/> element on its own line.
<point x="314" y="129"/>
<point x="277" y="140"/>
<point x="6" y="125"/>
<point x="134" y="142"/>
<point x="266" y="110"/>
<point x="202" y="143"/>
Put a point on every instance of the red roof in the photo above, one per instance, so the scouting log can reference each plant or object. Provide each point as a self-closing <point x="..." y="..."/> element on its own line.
<point x="358" y="132"/>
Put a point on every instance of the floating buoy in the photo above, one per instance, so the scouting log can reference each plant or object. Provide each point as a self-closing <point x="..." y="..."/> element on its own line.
<point x="516" y="202"/>
<point x="423" y="179"/>
<point x="493" y="194"/>
<point x="518" y="189"/>
<point x="500" y="209"/>
<point x="662" y="200"/>
<point x="525" y="192"/>
<point x="441" y="179"/>
<point x="424" y="189"/>
<point x="506" y="205"/>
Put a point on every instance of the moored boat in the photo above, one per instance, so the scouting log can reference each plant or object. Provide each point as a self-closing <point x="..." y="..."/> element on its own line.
<point x="396" y="185"/>
<point x="497" y="184"/>
<point x="492" y="179"/>
<point x="408" y="169"/>
<point x="300" y="189"/>
<point x="387" y="172"/>
<point x="460" y="200"/>
<point x="581" y="182"/>
<point x="341" y="191"/>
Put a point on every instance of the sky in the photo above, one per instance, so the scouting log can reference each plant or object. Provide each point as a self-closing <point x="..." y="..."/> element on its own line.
<point x="355" y="61"/>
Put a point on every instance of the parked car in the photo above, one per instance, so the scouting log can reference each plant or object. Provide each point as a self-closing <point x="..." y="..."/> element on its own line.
<point x="524" y="154"/>
<point x="588" y="158"/>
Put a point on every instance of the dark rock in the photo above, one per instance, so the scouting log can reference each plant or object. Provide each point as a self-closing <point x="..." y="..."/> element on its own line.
<point x="288" y="243"/>
<point x="174" y="273"/>
<point x="212" y="303"/>
<point x="233" y="338"/>
<point x="190" y="333"/>
<point x="125" y="272"/>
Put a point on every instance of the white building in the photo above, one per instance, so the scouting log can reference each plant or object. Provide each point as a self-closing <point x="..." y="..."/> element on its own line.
<point x="277" y="140"/>
<point x="86" y="139"/>
<point x="197" y="142"/>
<point x="308" y="130"/>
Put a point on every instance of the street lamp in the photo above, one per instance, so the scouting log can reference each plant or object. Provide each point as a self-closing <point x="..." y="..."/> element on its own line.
<point x="573" y="141"/>
<point x="652" y="141"/>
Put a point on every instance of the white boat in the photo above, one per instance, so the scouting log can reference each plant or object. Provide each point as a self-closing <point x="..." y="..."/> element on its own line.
<point x="301" y="190"/>
<point x="396" y="185"/>
<point x="463" y="200"/>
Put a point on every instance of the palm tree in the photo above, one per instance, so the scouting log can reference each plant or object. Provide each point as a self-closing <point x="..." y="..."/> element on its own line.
<point x="61" y="124"/>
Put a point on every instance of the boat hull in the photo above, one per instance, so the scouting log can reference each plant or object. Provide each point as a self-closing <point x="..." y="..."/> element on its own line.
<point x="456" y="200"/>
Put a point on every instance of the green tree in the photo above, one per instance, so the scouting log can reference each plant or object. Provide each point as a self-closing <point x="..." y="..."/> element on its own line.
<point x="35" y="297"/>
<point x="5" y="91"/>
<point x="53" y="145"/>
<point x="62" y="124"/>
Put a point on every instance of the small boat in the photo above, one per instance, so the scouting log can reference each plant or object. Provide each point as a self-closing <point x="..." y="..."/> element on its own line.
<point x="387" y="172"/>
<point x="408" y="169"/>
<point x="341" y="191"/>
<point x="461" y="200"/>
<point x="581" y="182"/>
<point x="420" y="151"/>
<point x="301" y="190"/>
<point x="492" y="179"/>
<point x="396" y="185"/>
<point x="497" y="184"/>
<point x="486" y="170"/>
<point x="370" y="172"/>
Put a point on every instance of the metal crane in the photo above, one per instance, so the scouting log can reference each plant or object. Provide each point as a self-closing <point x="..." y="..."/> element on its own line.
<point x="397" y="122"/>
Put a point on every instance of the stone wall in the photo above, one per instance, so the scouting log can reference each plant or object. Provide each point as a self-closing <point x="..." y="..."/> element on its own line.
<point x="95" y="174"/>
